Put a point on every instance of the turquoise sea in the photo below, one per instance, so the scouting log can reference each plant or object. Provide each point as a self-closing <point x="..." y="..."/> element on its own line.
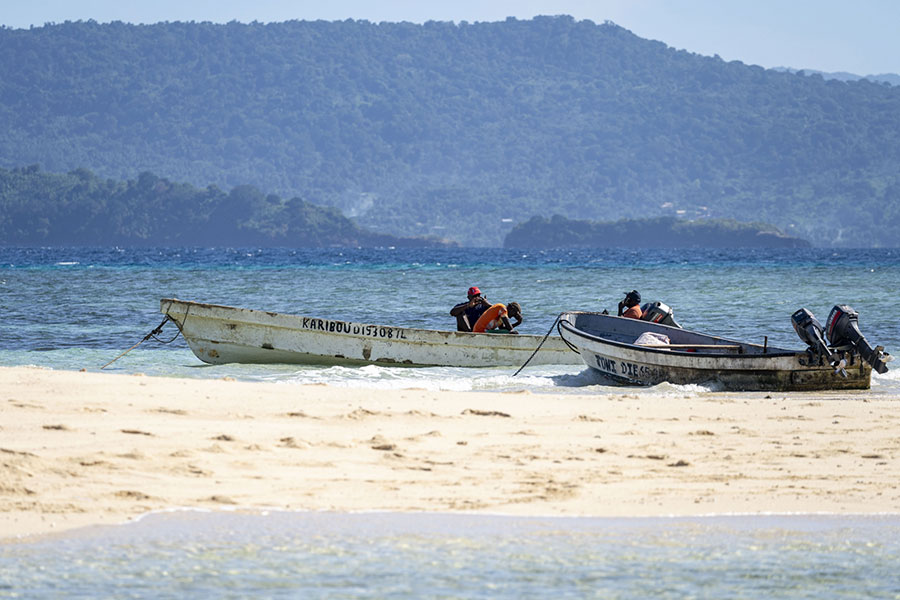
<point x="389" y="555"/>
<point x="73" y="308"/>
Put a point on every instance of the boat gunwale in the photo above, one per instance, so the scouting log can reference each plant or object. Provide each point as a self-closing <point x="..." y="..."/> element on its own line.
<point x="780" y="353"/>
<point x="463" y="334"/>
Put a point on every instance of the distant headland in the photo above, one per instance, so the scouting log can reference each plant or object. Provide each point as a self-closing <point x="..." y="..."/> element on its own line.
<point x="661" y="232"/>
<point x="79" y="208"/>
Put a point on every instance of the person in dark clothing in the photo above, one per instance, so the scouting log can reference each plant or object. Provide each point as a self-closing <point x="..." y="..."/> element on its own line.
<point x="467" y="313"/>
<point x="515" y="313"/>
<point x="631" y="306"/>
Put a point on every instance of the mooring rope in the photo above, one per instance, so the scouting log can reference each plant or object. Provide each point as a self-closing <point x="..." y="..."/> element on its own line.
<point x="565" y="341"/>
<point x="549" y="331"/>
<point x="156" y="331"/>
<point x="154" y="334"/>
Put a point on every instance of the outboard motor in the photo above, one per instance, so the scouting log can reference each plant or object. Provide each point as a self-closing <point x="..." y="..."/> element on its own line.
<point x="843" y="330"/>
<point x="657" y="312"/>
<point x="810" y="331"/>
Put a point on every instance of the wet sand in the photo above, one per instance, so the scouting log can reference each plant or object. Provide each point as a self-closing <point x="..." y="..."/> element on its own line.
<point x="81" y="448"/>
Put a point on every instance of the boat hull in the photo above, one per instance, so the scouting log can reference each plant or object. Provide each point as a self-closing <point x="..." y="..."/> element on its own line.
<point x="700" y="359"/>
<point x="223" y="334"/>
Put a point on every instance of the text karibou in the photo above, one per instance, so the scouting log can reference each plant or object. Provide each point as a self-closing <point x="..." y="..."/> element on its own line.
<point x="374" y="331"/>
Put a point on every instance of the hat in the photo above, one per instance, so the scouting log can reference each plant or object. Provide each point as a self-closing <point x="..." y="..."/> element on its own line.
<point x="474" y="291"/>
<point x="633" y="294"/>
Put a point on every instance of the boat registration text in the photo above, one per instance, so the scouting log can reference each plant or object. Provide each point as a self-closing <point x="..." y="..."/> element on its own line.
<point x="627" y="369"/>
<point x="375" y="331"/>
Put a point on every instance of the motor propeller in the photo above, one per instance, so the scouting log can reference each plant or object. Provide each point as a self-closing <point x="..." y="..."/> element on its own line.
<point x="843" y="330"/>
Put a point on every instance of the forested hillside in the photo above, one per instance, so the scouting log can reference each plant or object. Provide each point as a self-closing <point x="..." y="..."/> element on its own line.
<point x="81" y="209"/>
<point x="451" y="128"/>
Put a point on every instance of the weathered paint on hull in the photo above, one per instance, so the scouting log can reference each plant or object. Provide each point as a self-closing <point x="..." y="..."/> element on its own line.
<point x="223" y="334"/>
<point x="731" y="378"/>
<point x="777" y="371"/>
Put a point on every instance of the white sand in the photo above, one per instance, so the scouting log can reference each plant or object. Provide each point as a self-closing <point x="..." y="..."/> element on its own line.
<point x="87" y="448"/>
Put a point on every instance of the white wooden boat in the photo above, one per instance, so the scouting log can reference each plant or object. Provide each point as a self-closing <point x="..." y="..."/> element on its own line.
<point x="606" y="343"/>
<point x="225" y="334"/>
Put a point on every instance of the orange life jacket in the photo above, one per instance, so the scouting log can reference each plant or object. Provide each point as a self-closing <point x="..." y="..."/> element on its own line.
<point x="490" y="319"/>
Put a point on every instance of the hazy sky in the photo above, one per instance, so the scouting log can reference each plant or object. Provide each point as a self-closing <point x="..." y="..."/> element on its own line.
<point x="859" y="36"/>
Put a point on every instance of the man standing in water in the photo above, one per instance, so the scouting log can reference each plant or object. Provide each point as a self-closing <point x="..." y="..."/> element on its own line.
<point x="467" y="313"/>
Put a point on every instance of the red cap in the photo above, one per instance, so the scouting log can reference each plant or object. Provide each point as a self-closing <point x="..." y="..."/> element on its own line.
<point x="474" y="291"/>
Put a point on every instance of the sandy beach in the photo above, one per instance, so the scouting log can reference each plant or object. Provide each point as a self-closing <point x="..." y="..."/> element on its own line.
<point x="83" y="448"/>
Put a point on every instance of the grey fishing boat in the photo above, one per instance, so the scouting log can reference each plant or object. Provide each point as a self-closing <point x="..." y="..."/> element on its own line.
<point x="640" y="352"/>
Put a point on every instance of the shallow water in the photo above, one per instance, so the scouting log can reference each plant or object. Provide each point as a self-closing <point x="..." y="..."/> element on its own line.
<point x="378" y="555"/>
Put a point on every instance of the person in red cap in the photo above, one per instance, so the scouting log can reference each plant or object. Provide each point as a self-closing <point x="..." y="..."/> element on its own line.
<point x="467" y="313"/>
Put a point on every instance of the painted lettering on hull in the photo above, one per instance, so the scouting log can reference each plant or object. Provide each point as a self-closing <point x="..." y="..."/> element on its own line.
<point x="629" y="370"/>
<point x="606" y="365"/>
<point x="641" y="372"/>
<point x="374" y="331"/>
